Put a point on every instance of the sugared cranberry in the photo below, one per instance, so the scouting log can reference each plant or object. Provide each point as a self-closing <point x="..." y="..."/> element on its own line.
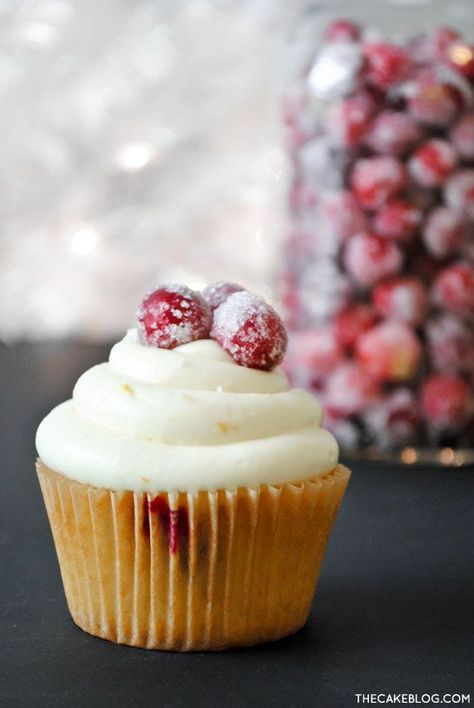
<point x="294" y="103"/>
<point x="454" y="289"/>
<point x="290" y="299"/>
<point x="432" y="163"/>
<point x="459" y="192"/>
<point x="302" y="196"/>
<point x="299" y="247"/>
<point x="369" y="258"/>
<point x="347" y="120"/>
<point x="426" y="48"/>
<point x="338" y="216"/>
<point x="250" y="331"/>
<point x="443" y="232"/>
<point x="323" y="289"/>
<point x="173" y="315"/>
<point x="450" y="344"/>
<point x="351" y="322"/>
<point x="402" y="299"/>
<point x="346" y="431"/>
<point x="386" y="64"/>
<point x="317" y="350"/>
<point x="446" y="401"/>
<point x="392" y="133"/>
<point x="350" y="390"/>
<point x="394" y="418"/>
<point x="462" y="137"/>
<point x="342" y="31"/>
<point x="321" y="165"/>
<point x="398" y="219"/>
<point x="375" y="180"/>
<point x="390" y="351"/>
<point x="336" y="70"/>
<point x="217" y="293"/>
<point x="441" y="38"/>
<point x="467" y="251"/>
<point x="434" y="104"/>
<point x="461" y="57"/>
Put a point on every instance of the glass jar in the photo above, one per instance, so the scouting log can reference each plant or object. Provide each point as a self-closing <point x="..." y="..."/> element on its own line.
<point x="378" y="268"/>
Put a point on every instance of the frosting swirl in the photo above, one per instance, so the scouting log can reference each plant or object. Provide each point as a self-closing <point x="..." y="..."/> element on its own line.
<point x="184" y="419"/>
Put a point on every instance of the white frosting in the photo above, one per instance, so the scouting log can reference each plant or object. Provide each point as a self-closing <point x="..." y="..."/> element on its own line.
<point x="183" y="420"/>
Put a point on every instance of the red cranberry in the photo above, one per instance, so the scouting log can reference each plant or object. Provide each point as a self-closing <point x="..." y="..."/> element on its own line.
<point x="398" y="219"/>
<point x="402" y="299"/>
<point x="390" y="352"/>
<point x="426" y="48"/>
<point x="462" y="90"/>
<point x="386" y="64"/>
<point x="250" y="331"/>
<point x="317" y="158"/>
<point x="444" y="231"/>
<point x="173" y="315"/>
<point x="351" y="322"/>
<point x="462" y="137"/>
<point x="454" y="289"/>
<point x="468" y="251"/>
<point x="217" y="293"/>
<point x="342" y="31"/>
<point x="317" y="350"/>
<point x="435" y="104"/>
<point x="446" y="401"/>
<point x="460" y="56"/>
<point x="339" y="216"/>
<point x="459" y="192"/>
<point x="347" y="120"/>
<point x="450" y="344"/>
<point x="345" y="431"/>
<point x="336" y="70"/>
<point x="369" y="258"/>
<point x="302" y="196"/>
<point x="375" y="180"/>
<point x="294" y="102"/>
<point x="323" y="289"/>
<point x="290" y="300"/>
<point x="392" y="133"/>
<point x="441" y="38"/>
<point x="432" y="163"/>
<point x="394" y="418"/>
<point x="350" y="390"/>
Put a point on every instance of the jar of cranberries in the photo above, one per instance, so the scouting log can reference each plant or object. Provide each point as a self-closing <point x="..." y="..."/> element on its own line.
<point x="378" y="268"/>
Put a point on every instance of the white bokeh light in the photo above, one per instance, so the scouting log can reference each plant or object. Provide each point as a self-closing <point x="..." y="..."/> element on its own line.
<point x="135" y="156"/>
<point x="83" y="241"/>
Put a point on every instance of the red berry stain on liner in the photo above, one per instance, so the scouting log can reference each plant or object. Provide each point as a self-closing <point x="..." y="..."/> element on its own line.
<point x="174" y="522"/>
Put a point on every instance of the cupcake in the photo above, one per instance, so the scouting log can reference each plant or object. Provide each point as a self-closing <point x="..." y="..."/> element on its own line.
<point x="190" y="491"/>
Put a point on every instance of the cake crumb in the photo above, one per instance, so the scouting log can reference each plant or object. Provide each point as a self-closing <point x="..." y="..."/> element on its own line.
<point x="126" y="388"/>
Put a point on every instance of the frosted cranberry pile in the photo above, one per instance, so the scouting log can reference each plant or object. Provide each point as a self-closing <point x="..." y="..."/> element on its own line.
<point x="379" y="263"/>
<point x="244" y="325"/>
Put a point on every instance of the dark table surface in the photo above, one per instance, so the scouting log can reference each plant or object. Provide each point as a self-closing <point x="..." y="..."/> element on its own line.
<point x="393" y="612"/>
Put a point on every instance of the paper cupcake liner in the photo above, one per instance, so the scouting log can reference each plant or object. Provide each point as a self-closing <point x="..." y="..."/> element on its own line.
<point x="201" y="571"/>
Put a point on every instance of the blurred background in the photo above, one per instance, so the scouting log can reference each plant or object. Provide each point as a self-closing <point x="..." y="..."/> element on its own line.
<point x="140" y="145"/>
<point x="148" y="142"/>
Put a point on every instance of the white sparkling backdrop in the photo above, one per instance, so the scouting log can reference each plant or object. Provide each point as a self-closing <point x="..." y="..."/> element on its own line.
<point x="140" y="144"/>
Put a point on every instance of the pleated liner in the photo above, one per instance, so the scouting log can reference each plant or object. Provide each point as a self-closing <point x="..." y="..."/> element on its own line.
<point x="183" y="572"/>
